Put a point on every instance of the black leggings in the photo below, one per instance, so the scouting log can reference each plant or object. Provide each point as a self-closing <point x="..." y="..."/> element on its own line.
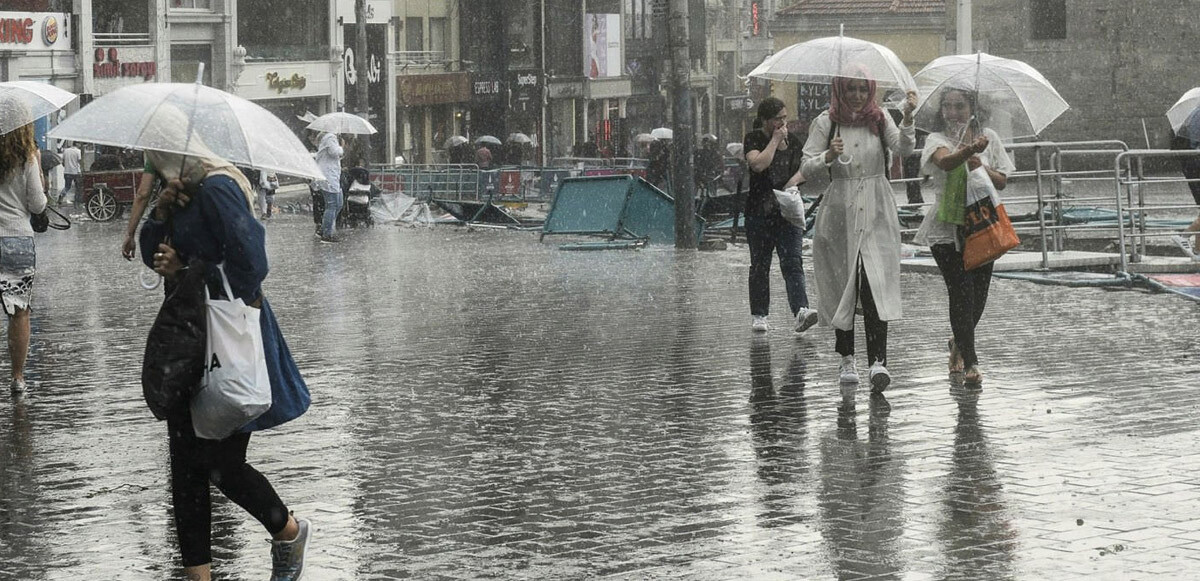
<point x="194" y="463"/>
<point x="968" y="291"/>
<point x="875" y="328"/>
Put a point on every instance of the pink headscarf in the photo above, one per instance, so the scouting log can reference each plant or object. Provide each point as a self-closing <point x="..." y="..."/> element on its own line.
<point x="840" y="111"/>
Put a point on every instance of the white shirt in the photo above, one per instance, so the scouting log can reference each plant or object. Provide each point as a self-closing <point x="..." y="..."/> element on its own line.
<point x="932" y="230"/>
<point x="70" y="157"/>
<point x="329" y="160"/>
<point x="21" y="195"/>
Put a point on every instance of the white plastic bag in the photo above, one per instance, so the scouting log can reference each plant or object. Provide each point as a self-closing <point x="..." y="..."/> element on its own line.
<point x="791" y="205"/>
<point x="236" y="388"/>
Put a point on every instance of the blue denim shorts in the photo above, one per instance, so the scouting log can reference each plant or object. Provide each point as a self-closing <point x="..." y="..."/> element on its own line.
<point x="18" y="262"/>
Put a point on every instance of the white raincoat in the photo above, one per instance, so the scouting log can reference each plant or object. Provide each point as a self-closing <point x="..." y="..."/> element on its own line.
<point x="857" y="218"/>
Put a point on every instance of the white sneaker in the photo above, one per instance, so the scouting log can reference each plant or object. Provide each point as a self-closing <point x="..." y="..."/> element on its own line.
<point x="846" y="371"/>
<point x="759" y="324"/>
<point x="805" y="318"/>
<point x="880" y="378"/>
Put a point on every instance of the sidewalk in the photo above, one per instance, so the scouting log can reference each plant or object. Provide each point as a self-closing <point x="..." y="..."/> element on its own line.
<point x="486" y="406"/>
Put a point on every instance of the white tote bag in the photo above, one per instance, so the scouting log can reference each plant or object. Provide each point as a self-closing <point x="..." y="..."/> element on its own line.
<point x="236" y="388"/>
<point x="791" y="205"/>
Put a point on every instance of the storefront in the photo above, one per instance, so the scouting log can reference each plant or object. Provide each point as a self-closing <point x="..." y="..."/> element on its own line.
<point x="525" y="104"/>
<point x="429" y="110"/>
<point x="289" y="90"/>
<point x="377" y="86"/>
<point x="488" y="107"/>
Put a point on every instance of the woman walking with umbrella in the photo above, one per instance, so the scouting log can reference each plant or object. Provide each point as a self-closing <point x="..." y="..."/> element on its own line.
<point x="856" y="242"/>
<point x="958" y="139"/>
<point x="21" y="194"/>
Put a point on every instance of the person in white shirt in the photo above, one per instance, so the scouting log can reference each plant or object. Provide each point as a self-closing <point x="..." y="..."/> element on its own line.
<point x="22" y="193"/>
<point x="329" y="160"/>
<point x="71" y="171"/>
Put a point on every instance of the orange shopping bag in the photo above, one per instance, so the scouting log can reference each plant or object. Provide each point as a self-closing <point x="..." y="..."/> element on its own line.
<point x="988" y="232"/>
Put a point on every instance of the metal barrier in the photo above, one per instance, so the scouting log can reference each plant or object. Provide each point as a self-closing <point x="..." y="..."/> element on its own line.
<point x="1134" y="213"/>
<point x="467" y="182"/>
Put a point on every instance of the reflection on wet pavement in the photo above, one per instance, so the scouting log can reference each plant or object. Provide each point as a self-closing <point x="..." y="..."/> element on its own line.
<point x="486" y="406"/>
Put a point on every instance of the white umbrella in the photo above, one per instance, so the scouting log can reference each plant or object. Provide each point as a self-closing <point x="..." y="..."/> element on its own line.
<point x="342" y="122"/>
<point x="734" y="148"/>
<point x="662" y="133"/>
<point x="643" y="138"/>
<point x="1017" y="100"/>
<point x="821" y="59"/>
<point x="455" y="141"/>
<point x="519" y="138"/>
<point x="1183" y="115"/>
<point x="145" y="117"/>
<point x="41" y="98"/>
<point x="488" y="139"/>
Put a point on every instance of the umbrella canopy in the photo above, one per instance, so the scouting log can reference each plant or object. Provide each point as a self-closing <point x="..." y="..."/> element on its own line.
<point x="821" y="59"/>
<point x="519" y="138"/>
<point x="455" y="141"/>
<point x="487" y="139"/>
<point x="1184" y="115"/>
<point x="342" y="122"/>
<point x="662" y="133"/>
<point x="1013" y="98"/>
<point x="643" y="138"/>
<point x="215" y="122"/>
<point x="735" y="149"/>
<point x="41" y="98"/>
<point x="307" y="117"/>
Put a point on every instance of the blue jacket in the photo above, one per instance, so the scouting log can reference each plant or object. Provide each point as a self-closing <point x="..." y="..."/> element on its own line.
<point x="218" y="226"/>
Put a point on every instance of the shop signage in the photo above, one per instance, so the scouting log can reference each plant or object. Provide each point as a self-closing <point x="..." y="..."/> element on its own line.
<point x="433" y="89"/>
<point x="739" y="103"/>
<point x="567" y="90"/>
<point x="526" y="94"/>
<point x="279" y="84"/>
<point x="486" y="86"/>
<point x="34" y="30"/>
<point x="108" y="65"/>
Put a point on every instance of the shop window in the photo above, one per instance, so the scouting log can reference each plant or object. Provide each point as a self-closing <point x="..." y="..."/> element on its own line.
<point x="122" y="18"/>
<point x="1048" y="19"/>
<point x="186" y="60"/>
<point x="414" y="35"/>
<point x="192" y="4"/>
<point x="437" y="38"/>
<point x="284" y="30"/>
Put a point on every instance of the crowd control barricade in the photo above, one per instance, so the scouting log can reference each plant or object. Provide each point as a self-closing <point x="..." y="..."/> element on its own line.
<point x="424" y="181"/>
<point x="1139" y="220"/>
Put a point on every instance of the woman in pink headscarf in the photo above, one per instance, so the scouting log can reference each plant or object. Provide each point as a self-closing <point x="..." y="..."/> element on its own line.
<point x="856" y="240"/>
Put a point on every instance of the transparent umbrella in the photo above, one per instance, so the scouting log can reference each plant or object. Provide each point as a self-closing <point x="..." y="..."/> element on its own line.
<point x="488" y="139"/>
<point x="1013" y="98"/>
<point x="519" y="138"/>
<point x="342" y="122"/>
<point x="190" y="119"/>
<point x="1184" y="115"/>
<point x="455" y="141"/>
<point x="643" y="138"/>
<point x="662" y="133"/>
<point x="821" y="59"/>
<point x="41" y="98"/>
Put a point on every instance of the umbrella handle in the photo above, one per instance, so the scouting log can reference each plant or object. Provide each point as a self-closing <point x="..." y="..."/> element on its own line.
<point x="843" y="158"/>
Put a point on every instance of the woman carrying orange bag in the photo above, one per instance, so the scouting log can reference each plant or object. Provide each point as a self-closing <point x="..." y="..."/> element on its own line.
<point x="959" y="138"/>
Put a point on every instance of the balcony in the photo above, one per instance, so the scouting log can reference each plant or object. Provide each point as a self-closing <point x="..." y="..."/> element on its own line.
<point x="106" y="39"/>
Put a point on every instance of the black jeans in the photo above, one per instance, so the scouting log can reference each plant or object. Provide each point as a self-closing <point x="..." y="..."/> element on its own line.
<point x="875" y="328"/>
<point x="194" y="463"/>
<point x="767" y="234"/>
<point x="968" y="291"/>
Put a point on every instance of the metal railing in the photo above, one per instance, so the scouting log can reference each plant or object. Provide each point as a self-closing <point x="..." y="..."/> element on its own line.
<point x="1135" y="211"/>
<point x="467" y="182"/>
<point x="106" y="39"/>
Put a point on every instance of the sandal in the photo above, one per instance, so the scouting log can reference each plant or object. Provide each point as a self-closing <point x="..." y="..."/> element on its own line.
<point x="973" y="375"/>
<point x="956" y="361"/>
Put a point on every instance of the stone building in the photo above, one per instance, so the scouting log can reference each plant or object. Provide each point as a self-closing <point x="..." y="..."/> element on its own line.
<point x="1117" y="63"/>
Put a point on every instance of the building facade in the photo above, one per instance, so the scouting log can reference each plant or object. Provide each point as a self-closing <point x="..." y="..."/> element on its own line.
<point x="1118" y="64"/>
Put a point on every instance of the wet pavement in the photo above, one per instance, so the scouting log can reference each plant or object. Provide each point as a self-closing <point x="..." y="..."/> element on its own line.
<point x="488" y="407"/>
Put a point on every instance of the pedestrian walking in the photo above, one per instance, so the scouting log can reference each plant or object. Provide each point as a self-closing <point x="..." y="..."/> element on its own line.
<point x="50" y="160"/>
<point x="1190" y="167"/>
<point x="960" y="138"/>
<point x="774" y="158"/>
<point x="205" y="213"/>
<point x="856" y="239"/>
<point x="71" y="157"/>
<point x="329" y="160"/>
<point x="22" y="193"/>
